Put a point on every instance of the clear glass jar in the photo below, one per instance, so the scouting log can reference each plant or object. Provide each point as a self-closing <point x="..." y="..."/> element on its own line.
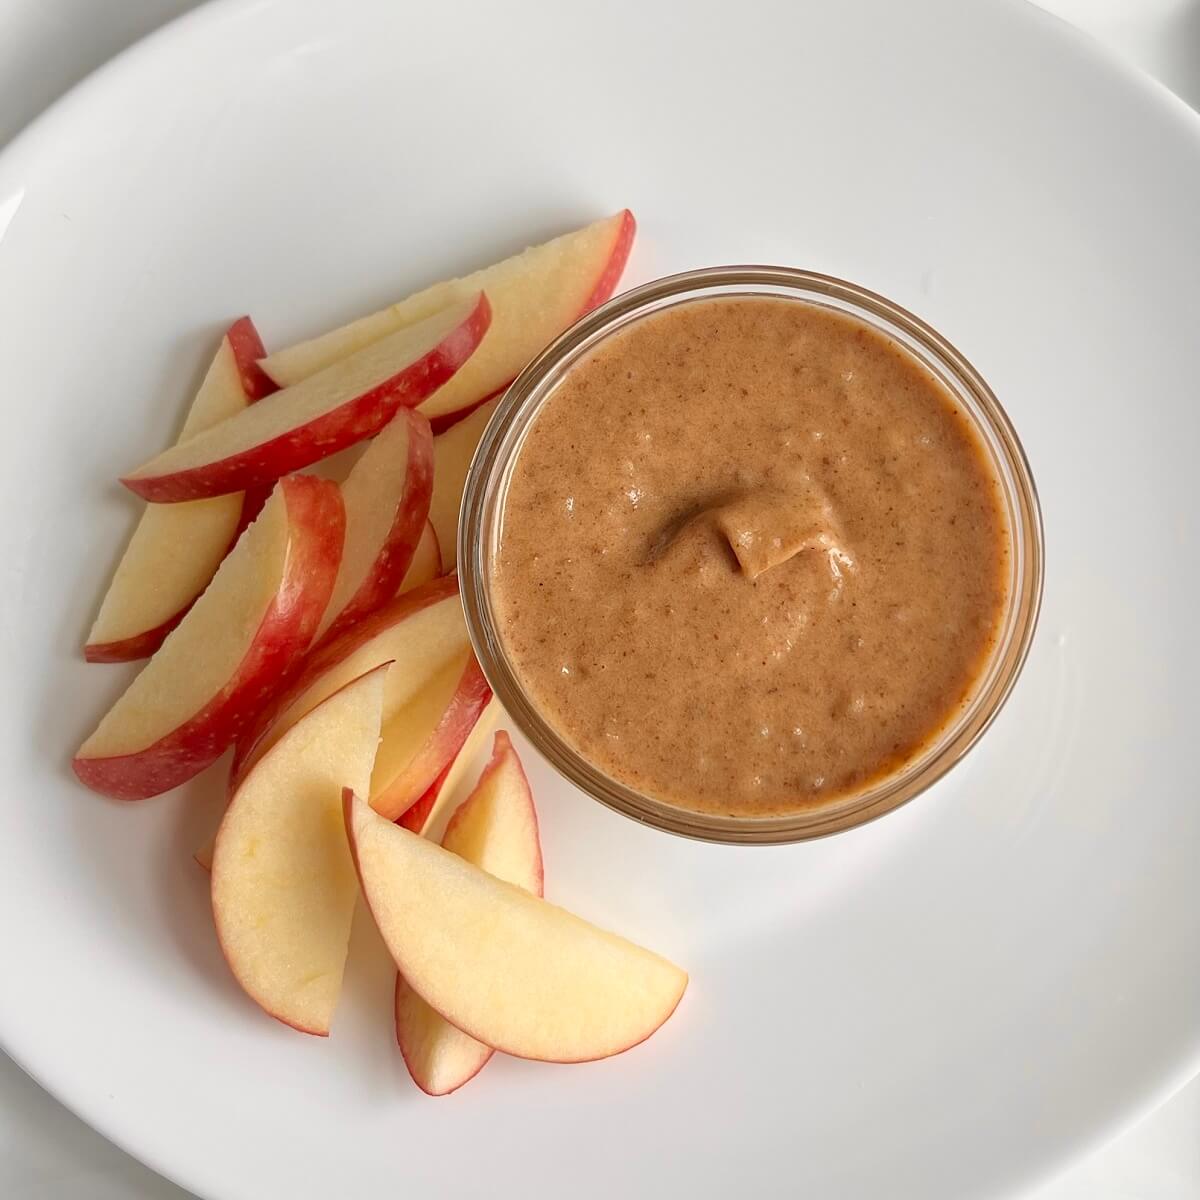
<point x="483" y="507"/>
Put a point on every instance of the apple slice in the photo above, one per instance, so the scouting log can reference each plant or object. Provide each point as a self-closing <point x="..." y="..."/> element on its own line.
<point x="509" y="969"/>
<point x="451" y="786"/>
<point x="348" y="401"/>
<point x="426" y="561"/>
<point x="452" y="454"/>
<point x="403" y="772"/>
<point x="422" y="632"/>
<point x="449" y="789"/>
<point x="534" y="296"/>
<point x="387" y="505"/>
<point x="283" y="888"/>
<point x="208" y="678"/>
<point x="175" y="551"/>
<point x="496" y="829"/>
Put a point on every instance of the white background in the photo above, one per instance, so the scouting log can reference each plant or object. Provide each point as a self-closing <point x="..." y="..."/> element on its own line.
<point x="45" y="1153"/>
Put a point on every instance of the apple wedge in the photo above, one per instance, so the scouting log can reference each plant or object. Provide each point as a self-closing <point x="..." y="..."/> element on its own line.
<point x="496" y="829"/>
<point x="451" y="786"/>
<point x="176" y="550"/>
<point x="505" y="967"/>
<point x="422" y="632"/>
<point x="283" y="887"/>
<point x="426" y="561"/>
<point x="406" y="767"/>
<point x="534" y="296"/>
<point x="452" y="454"/>
<point x="387" y="505"/>
<point x="208" y="678"/>
<point x="348" y="401"/>
<point x="449" y="789"/>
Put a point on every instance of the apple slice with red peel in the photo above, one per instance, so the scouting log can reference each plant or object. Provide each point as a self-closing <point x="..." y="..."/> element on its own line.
<point x="505" y="967"/>
<point x="449" y="789"/>
<point x="402" y="776"/>
<point x="247" y="348"/>
<point x="422" y="631"/>
<point x="496" y="829"/>
<point x="175" y="551"/>
<point x="283" y="886"/>
<point x="452" y="454"/>
<point x="534" y="295"/>
<point x="348" y="401"/>
<point x="426" y="561"/>
<point x="238" y="640"/>
<point x="387" y="505"/>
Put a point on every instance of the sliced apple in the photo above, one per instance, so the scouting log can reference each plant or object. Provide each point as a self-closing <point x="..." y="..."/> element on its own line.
<point x="426" y="561"/>
<point x="283" y="886"/>
<point x="422" y="632"/>
<point x="404" y="772"/>
<point x="534" y="295"/>
<point x="496" y="829"/>
<point x="387" y="505"/>
<point x="452" y="454"/>
<point x="450" y="788"/>
<point x="248" y="349"/>
<point x="207" y="680"/>
<point x="507" y="968"/>
<point x="175" y="551"/>
<point x="348" y="401"/>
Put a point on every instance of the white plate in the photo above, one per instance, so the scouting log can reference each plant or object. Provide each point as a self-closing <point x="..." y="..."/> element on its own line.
<point x="948" y="1003"/>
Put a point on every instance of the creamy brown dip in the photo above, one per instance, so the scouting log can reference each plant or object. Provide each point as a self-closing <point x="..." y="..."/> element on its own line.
<point x="753" y="557"/>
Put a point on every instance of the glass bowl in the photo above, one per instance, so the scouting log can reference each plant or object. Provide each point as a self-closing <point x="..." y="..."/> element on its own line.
<point x="482" y="516"/>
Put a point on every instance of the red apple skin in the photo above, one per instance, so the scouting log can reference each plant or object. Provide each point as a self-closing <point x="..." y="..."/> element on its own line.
<point x="606" y="284"/>
<point x="611" y="275"/>
<point x="414" y="817"/>
<point x="359" y="418"/>
<point x="317" y="520"/>
<point x="247" y="349"/>
<point x="434" y="758"/>
<point x="395" y="557"/>
<point x="326" y="655"/>
<point x="130" y="649"/>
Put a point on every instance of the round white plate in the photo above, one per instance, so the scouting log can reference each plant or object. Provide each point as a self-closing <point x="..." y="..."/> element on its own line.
<point x="951" y="1002"/>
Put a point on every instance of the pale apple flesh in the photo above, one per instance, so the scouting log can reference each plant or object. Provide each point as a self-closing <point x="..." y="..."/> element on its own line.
<point x="239" y="639"/>
<point x="452" y="454"/>
<point x="401" y="779"/>
<point x="387" y="497"/>
<point x="348" y="401"/>
<point x="426" y="561"/>
<point x="422" y="632"/>
<point x="535" y="296"/>
<point x="509" y="969"/>
<point x="283" y="882"/>
<point x="496" y="829"/>
<point x="175" y="551"/>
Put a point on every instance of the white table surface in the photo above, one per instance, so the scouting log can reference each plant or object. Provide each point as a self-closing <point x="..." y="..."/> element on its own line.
<point x="48" y="1154"/>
